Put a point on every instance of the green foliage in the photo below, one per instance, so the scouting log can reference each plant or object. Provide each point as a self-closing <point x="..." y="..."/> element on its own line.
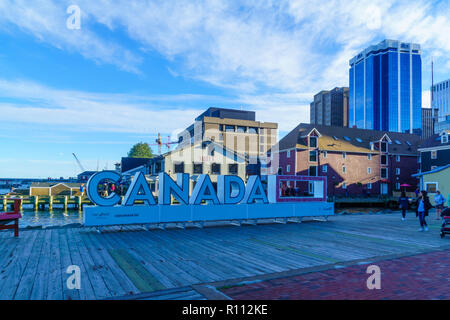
<point x="140" y="150"/>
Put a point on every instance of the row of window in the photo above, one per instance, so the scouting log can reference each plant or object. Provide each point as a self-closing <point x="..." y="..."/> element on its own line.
<point x="369" y="186"/>
<point x="198" y="168"/>
<point x="239" y="129"/>
<point x="441" y="86"/>
<point x="313" y="170"/>
<point x="313" y="156"/>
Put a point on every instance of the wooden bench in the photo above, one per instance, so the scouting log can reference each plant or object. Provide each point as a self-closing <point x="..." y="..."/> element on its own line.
<point x="7" y="217"/>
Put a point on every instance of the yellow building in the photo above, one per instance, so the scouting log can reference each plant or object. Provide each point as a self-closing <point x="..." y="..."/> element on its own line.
<point x="238" y="130"/>
<point x="207" y="157"/>
<point x="436" y="179"/>
<point x="55" y="189"/>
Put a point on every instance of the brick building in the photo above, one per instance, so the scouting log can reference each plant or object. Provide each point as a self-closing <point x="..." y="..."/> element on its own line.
<point x="355" y="161"/>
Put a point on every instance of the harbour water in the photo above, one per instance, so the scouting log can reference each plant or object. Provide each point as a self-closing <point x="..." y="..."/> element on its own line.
<point x="54" y="218"/>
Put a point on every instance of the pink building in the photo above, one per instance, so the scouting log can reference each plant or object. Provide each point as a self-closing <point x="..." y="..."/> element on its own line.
<point x="355" y="161"/>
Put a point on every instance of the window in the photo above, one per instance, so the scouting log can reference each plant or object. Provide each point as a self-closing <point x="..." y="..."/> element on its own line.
<point x="313" y="142"/>
<point x="372" y="146"/>
<point x="179" y="167"/>
<point x="233" y="168"/>
<point x="397" y="171"/>
<point x="431" y="187"/>
<point x="335" y="138"/>
<point x="397" y="186"/>
<point x="397" y="142"/>
<point x="359" y="140"/>
<point x="324" y="168"/>
<point x="241" y="129"/>
<point x="288" y="154"/>
<point x="344" y="155"/>
<point x="198" y="168"/>
<point x="383" y="146"/>
<point x="344" y="185"/>
<point x="313" y="156"/>
<point x="369" y="170"/>
<point x="369" y="156"/>
<point x="253" y="130"/>
<point x="397" y="158"/>
<point x="325" y="154"/>
<point x="344" y="169"/>
<point x="433" y="155"/>
<point x="384" y="160"/>
<point x="313" y="171"/>
<point x="444" y="138"/>
<point x="384" y="173"/>
<point x="408" y="143"/>
<point x="215" y="168"/>
<point x="288" y="168"/>
<point x="369" y="186"/>
<point x="229" y="128"/>
<point x="347" y="138"/>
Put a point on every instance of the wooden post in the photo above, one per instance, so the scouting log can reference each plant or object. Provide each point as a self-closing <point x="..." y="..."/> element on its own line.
<point x="36" y="203"/>
<point x="21" y="203"/>
<point x="65" y="202"/>
<point x="50" y="203"/>
<point x="5" y="204"/>
<point x="80" y="205"/>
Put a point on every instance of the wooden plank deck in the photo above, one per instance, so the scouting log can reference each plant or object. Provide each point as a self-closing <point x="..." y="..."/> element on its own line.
<point x="134" y="262"/>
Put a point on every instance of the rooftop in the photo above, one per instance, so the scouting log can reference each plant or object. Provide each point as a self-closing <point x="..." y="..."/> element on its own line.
<point x="349" y="139"/>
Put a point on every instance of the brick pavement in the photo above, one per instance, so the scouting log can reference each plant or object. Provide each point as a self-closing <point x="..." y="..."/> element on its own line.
<point x="423" y="276"/>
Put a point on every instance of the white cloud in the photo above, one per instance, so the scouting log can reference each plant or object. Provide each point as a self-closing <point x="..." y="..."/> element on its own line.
<point x="268" y="54"/>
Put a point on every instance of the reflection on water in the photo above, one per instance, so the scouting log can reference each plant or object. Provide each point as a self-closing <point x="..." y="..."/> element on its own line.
<point x="56" y="217"/>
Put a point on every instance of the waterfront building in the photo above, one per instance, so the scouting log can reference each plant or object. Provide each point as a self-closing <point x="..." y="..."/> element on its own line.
<point x="435" y="151"/>
<point x="386" y="88"/>
<point x="55" y="189"/>
<point x="434" y="180"/>
<point x="206" y="157"/>
<point x="355" y="161"/>
<point x="330" y="108"/>
<point x="238" y="130"/>
<point x="84" y="176"/>
<point x="429" y="119"/>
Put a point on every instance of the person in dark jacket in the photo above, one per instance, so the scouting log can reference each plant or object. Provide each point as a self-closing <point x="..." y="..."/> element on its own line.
<point x="403" y="202"/>
<point x="423" y="205"/>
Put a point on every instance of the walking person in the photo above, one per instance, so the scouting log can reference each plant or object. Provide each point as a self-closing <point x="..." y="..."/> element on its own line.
<point x="404" y="204"/>
<point x="423" y="205"/>
<point x="439" y="201"/>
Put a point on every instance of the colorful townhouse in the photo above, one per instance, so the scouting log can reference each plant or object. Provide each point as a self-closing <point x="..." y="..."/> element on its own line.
<point x="355" y="161"/>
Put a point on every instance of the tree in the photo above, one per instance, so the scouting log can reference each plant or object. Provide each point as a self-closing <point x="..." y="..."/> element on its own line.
<point x="140" y="150"/>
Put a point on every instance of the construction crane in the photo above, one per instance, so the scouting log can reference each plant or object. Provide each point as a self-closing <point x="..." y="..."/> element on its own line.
<point x="79" y="163"/>
<point x="160" y="143"/>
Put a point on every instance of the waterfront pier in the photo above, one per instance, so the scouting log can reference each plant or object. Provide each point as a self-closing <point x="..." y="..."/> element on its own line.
<point x="129" y="262"/>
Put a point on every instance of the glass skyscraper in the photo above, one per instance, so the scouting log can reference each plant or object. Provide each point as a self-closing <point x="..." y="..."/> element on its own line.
<point x="386" y="88"/>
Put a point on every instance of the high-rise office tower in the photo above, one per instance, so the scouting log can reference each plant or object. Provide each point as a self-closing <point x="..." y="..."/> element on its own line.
<point x="386" y="88"/>
<point x="440" y="99"/>
<point x="330" y="108"/>
<point x="429" y="119"/>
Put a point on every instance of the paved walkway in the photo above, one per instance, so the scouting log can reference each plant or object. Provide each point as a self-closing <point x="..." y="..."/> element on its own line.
<point x="131" y="261"/>
<point x="423" y="276"/>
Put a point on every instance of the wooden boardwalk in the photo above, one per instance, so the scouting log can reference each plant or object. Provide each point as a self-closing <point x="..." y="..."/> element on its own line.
<point x="134" y="261"/>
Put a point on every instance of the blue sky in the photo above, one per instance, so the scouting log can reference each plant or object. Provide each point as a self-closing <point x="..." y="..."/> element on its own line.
<point x="136" y="68"/>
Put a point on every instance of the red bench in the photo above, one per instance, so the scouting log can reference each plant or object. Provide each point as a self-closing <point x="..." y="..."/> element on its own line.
<point x="7" y="217"/>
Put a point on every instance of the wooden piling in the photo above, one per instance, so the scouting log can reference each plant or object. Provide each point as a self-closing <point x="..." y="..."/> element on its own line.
<point x="5" y="204"/>
<point x="21" y="203"/>
<point x="50" y="203"/>
<point x="65" y="202"/>
<point x="80" y="204"/>
<point x="36" y="203"/>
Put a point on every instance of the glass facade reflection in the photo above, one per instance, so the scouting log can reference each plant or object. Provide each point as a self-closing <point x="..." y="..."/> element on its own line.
<point x="386" y="88"/>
